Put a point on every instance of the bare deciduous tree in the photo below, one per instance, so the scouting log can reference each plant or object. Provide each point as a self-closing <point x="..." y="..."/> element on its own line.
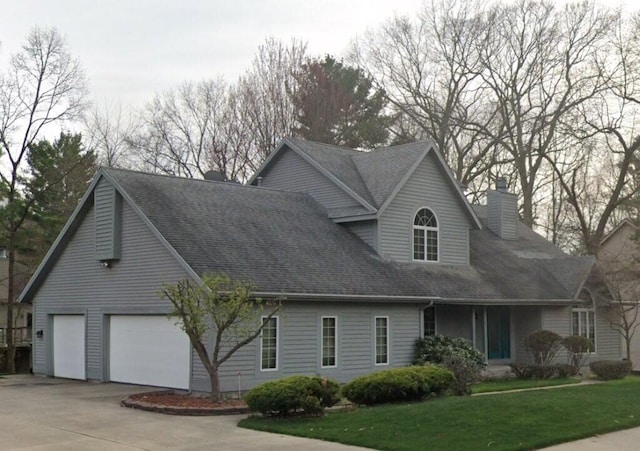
<point x="263" y="92"/>
<point x="109" y="131"/>
<point x="193" y="129"/>
<point x="42" y="87"/>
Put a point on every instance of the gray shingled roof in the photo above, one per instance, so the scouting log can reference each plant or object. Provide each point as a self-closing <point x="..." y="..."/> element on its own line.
<point x="285" y="243"/>
<point x="372" y="175"/>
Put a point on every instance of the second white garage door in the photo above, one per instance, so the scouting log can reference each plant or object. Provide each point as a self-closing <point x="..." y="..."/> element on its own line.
<point x="148" y="350"/>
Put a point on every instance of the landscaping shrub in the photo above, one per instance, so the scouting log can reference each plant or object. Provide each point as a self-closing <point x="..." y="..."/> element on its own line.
<point x="465" y="372"/>
<point x="578" y="350"/>
<point x="399" y="384"/>
<point x="435" y="348"/>
<point x="306" y="394"/>
<point x="534" y="371"/>
<point x="457" y="354"/>
<point x="610" y="369"/>
<point x="543" y="345"/>
<point x="568" y="370"/>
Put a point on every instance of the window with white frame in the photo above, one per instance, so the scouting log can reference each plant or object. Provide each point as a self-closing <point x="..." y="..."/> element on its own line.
<point x="382" y="340"/>
<point x="425" y="236"/>
<point x="269" y="344"/>
<point x="429" y="321"/>
<point x="329" y="341"/>
<point x="584" y="324"/>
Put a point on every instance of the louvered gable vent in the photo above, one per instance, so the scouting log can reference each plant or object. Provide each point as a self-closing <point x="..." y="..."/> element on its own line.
<point x="108" y="211"/>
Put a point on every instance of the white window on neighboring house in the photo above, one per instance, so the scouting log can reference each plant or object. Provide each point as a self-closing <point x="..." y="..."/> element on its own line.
<point x="425" y="236"/>
<point x="269" y="345"/>
<point x="382" y="340"/>
<point x="329" y="342"/>
<point x="583" y="322"/>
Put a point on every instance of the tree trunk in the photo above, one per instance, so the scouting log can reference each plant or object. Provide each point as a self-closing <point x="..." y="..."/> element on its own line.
<point x="215" y="384"/>
<point x="11" y="348"/>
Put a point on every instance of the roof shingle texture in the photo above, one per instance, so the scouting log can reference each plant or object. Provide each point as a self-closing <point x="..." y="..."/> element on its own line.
<point x="284" y="242"/>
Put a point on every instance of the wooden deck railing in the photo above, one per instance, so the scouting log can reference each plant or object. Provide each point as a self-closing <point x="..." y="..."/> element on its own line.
<point x="21" y="336"/>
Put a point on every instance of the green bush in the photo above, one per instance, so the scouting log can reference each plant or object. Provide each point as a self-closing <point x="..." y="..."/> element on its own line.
<point x="610" y="369"/>
<point x="436" y="348"/>
<point x="543" y="345"/>
<point x="399" y="384"/>
<point x="285" y="396"/>
<point x="456" y="354"/>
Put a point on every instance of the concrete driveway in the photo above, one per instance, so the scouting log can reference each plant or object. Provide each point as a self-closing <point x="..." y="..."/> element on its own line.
<point x="39" y="413"/>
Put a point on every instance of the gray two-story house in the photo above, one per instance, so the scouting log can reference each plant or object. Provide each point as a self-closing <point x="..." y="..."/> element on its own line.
<point x="370" y="250"/>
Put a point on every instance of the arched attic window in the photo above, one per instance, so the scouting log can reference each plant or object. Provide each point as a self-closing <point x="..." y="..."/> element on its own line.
<point x="425" y="236"/>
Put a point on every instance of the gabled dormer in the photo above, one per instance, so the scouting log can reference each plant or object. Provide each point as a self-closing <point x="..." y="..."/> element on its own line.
<point x="403" y="201"/>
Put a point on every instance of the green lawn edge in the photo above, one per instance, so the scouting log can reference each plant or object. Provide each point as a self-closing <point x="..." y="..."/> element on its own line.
<point x="520" y="384"/>
<point x="508" y="421"/>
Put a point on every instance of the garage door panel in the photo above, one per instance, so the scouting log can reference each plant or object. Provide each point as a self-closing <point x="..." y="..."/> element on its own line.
<point x="69" y="346"/>
<point x="148" y="350"/>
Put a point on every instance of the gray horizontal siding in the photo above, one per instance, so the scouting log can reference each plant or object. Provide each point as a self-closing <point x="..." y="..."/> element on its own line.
<point x="427" y="187"/>
<point x="366" y="231"/>
<point x="78" y="283"/>
<point x="525" y="320"/>
<point x="609" y="340"/>
<point x="291" y="173"/>
<point x="300" y="341"/>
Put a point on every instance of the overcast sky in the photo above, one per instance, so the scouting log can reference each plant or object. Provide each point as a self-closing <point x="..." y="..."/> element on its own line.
<point x="131" y="49"/>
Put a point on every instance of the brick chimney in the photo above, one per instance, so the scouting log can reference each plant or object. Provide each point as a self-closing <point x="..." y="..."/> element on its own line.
<point x="502" y="211"/>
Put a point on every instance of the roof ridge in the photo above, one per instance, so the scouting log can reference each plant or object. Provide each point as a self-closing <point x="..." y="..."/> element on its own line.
<point x="205" y="181"/>
<point x="335" y="146"/>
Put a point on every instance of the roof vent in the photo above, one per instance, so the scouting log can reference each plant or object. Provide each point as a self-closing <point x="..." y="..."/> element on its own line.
<point x="215" y="176"/>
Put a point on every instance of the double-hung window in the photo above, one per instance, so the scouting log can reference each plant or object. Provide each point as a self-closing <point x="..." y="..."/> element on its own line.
<point x="382" y="340"/>
<point x="584" y="324"/>
<point x="329" y="341"/>
<point x="269" y="344"/>
<point x="429" y="321"/>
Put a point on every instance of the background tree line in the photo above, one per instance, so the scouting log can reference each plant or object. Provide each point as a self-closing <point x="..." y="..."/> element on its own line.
<point x="542" y="94"/>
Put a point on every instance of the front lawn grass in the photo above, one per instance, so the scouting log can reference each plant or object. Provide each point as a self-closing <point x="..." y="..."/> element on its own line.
<point x="518" y="384"/>
<point x="508" y="421"/>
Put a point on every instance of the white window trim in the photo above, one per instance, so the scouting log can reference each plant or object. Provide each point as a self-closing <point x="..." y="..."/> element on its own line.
<point x="375" y="341"/>
<point x="335" y="365"/>
<point x="595" y="324"/>
<point x="425" y="229"/>
<point x="277" y="345"/>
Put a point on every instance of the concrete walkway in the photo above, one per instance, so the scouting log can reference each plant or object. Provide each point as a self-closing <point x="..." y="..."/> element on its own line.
<point x="39" y="413"/>
<point x="627" y="440"/>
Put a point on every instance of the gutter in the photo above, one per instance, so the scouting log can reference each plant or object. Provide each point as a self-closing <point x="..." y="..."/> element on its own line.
<point x="430" y="300"/>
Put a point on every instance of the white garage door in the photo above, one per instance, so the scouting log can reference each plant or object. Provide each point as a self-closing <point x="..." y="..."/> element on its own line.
<point x="68" y="346"/>
<point x="148" y="350"/>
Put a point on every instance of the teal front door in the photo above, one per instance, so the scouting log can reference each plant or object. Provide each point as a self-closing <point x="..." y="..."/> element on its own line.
<point x="498" y="333"/>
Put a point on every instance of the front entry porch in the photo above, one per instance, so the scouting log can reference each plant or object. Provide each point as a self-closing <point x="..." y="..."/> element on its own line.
<point x="498" y="331"/>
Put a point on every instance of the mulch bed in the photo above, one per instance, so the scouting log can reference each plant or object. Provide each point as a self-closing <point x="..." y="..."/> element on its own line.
<point x="173" y="403"/>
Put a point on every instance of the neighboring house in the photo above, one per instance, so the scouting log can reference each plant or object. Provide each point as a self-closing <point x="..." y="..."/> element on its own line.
<point x="619" y="261"/>
<point x="371" y="251"/>
<point x="21" y="312"/>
